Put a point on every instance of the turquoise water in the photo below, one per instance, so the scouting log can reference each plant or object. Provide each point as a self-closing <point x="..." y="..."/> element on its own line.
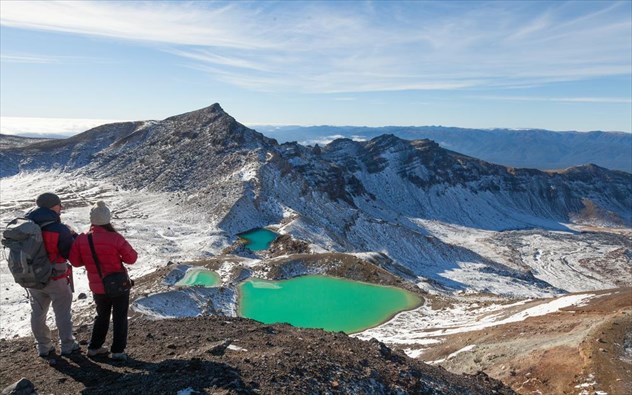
<point x="258" y="239"/>
<point x="323" y="302"/>
<point x="199" y="276"/>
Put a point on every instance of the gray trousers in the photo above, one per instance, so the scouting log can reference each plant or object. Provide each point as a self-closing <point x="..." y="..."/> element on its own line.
<point x="59" y="293"/>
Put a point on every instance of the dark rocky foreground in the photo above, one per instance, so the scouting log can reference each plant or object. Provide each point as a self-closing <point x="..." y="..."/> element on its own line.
<point x="221" y="355"/>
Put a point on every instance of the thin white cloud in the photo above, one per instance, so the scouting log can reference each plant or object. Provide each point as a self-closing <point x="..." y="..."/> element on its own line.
<point x="205" y="56"/>
<point x="323" y="140"/>
<point x="342" y="47"/>
<point x="328" y="139"/>
<point x="164" y="22"/>
<point x="612" y="100"/>
<point x="22" y="58"/>
<point x="48" y="59"/>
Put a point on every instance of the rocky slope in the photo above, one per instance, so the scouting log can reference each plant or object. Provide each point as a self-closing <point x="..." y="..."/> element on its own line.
<point x="578" y="350"/>
<point x="219" y="355"/>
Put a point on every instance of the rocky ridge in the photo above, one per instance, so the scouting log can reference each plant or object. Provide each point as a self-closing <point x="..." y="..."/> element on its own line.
<point x="220" y="355"/>
<point x="209" y="152"/>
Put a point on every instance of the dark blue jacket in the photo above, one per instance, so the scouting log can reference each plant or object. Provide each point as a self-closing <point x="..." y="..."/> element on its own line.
<point x="57" y="237"/>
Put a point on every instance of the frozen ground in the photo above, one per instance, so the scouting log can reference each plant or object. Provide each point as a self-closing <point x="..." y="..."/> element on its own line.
<point x="162" y="229"/>
<point x="572" y="261"/>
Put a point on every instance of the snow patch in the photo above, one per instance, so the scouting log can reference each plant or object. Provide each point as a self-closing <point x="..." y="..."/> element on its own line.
<point x="454" y="354"/>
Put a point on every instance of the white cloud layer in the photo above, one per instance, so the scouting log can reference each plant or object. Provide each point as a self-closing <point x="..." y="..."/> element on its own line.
<point x="329" y="47"/>
<point x="42" y="127"/>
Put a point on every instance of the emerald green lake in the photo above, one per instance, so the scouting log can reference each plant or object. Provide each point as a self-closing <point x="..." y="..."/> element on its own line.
<point x="322" y="302"/>
<point x="258" y="239"/>
<point x="199" y="276"/>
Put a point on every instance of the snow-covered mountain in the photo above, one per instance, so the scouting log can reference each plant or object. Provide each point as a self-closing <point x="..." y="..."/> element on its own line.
<point x="397" y="197"/>
<point x="529" y="148"/>
<point x="208" y="151"/>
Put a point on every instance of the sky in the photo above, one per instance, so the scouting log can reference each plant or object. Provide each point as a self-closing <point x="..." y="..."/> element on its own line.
<point x="557" y="65"/>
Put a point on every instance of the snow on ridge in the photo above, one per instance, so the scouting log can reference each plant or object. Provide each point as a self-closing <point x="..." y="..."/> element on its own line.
<point x="424" y="325"/>
<point x="454" y="354"/>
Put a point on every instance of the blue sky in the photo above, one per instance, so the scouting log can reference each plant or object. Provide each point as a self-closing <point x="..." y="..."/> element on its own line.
<point x="534" y="64"/>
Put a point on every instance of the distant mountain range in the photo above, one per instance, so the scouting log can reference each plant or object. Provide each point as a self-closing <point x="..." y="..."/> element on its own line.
<point x="525" y="148"/>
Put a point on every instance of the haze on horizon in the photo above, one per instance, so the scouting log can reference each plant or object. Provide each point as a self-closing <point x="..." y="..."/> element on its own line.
<point x="69" y="66"/>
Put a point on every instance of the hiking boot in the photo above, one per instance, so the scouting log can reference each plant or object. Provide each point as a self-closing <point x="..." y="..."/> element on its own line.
<point x="47" y="353"/>
<point x="75" y="348"/>
<point x="119" y="356"/>
<point x="93" y="352"/>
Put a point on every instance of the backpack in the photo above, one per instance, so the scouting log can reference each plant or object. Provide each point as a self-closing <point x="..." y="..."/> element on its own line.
<point x="28" y="260"/>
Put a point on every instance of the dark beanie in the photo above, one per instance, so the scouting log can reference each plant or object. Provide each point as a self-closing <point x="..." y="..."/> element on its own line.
<point x="48" y="200"/>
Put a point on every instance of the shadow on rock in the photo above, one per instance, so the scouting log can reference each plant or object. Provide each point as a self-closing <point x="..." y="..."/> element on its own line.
<point x="84" y="370"/>
<point x="169" y="376"/>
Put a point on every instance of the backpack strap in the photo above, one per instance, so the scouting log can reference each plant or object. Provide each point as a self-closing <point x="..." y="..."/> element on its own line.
<point x="15" y="221"/>
<point x="96" y="258"/>
<point x="46" y="224"/>
<point x="59" y="269"/>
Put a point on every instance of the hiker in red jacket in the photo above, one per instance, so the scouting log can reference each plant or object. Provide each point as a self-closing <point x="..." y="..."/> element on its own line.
<point x="58" y="238"/>
<point x="111" y="250"/>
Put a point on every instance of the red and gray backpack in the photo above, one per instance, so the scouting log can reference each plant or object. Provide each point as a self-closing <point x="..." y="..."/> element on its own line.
<point x="28" y="260"/>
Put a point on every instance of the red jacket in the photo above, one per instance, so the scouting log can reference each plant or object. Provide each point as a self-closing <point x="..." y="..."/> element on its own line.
<point x="111" y="249"/>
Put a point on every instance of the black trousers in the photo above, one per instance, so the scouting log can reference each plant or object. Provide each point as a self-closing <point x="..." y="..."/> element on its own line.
<point x="116" y="307"/>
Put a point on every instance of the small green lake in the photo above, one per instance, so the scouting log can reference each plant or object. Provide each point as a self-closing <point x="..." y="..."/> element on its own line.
<point x="200" y="277"/>
<point x="258" y="239"/>
<point x="323" y="302"/>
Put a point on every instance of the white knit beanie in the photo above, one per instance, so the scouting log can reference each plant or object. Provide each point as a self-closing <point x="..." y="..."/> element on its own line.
<point x="100" y="214"/>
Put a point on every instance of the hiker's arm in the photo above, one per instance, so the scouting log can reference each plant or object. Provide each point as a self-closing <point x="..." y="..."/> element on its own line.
<point x="75" y="255"/>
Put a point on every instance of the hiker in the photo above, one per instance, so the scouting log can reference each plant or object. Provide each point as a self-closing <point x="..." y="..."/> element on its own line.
<point x="58" y="239"/>
<point x="110" y="250"/>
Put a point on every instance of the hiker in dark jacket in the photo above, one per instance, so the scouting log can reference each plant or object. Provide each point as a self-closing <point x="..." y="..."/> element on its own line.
<point x="111" y="250"/>
<point x="58" y="239"/>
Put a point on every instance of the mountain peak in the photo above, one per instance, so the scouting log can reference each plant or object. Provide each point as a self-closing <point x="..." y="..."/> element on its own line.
<point x="212" y="111"/>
